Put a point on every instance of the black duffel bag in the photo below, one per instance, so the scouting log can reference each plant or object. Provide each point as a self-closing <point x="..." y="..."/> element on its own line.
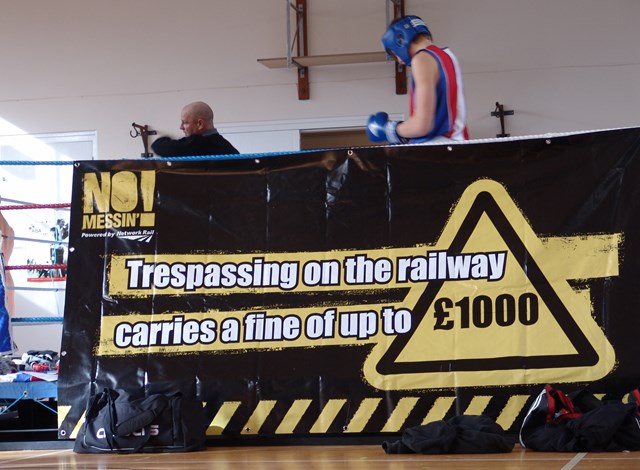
<point x="115" y="423"/>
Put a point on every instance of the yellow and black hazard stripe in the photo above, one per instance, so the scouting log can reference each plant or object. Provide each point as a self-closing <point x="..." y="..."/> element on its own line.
<point x="366" y="415"/>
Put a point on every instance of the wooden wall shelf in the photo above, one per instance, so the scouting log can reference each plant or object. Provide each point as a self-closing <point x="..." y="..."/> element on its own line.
<point x="302" y="61"/>
<point x="328" y="59"/>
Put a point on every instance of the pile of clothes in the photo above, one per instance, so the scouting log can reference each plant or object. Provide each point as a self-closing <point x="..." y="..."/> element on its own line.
<point x="40" y="361"/>
<point x="555" y="422"/>
<point x="8" y="365"/>
<point x="464" y="434"/>
<point x="19" y="370"/>
<point x="580" y="422"/>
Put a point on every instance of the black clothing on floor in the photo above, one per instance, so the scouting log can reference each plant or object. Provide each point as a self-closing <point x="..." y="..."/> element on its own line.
<point x="458" y="435"/>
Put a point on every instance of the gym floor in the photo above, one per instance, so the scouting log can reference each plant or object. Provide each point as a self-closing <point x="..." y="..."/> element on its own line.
<point x="317" y="457"/>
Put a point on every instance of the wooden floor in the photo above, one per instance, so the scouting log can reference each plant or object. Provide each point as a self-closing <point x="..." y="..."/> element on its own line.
<point x="317" y="457"/>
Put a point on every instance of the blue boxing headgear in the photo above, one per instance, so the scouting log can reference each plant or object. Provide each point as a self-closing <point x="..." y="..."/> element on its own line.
<point x="400" y="33"/>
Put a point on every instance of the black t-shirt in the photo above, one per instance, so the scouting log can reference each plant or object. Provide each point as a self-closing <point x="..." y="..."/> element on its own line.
<point x="196" y="144"/>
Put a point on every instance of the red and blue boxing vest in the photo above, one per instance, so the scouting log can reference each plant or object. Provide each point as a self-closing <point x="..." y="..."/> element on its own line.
<point x="450" y="119"/>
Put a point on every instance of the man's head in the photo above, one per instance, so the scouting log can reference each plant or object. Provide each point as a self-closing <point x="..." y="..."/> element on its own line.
<point x="401" y="33"/>
<point x="196" y="118"/>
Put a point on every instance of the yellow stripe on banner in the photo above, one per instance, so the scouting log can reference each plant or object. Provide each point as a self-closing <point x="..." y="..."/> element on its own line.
<point x="328" y="414"/>
<point x="77" y="427"/>
<point x="222" y="418"/>
<point x="592" y="254"/>
<point x="363" y="414"/>
<point x="293" y="416"/>
<point x="399" y="414"/>
<point x="439" y="409"/>
<point x="63" y="411"/>
<point x="511" y="410"/>
<point x="258" y="417"/>
<point x="477" y="405"/>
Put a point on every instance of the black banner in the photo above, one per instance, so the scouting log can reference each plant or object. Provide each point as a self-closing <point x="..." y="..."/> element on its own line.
<point x="357" y="291"/>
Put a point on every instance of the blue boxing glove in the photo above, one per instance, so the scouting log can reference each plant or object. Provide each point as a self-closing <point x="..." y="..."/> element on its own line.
<point x="380" y="129"/>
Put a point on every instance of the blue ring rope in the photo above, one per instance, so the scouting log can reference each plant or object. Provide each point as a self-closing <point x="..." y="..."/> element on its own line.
<point x="27" y="162"/>
<point x="247" y="156"/>
<point x="240" y="156"/>
<point x="36" y="320"/>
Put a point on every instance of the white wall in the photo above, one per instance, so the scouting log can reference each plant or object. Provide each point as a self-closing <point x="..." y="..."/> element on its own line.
<point x="88" y="65"/>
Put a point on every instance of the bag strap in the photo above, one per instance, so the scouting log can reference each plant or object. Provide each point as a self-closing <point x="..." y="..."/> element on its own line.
<point x="143" y="419"/>
<point x="111" y="425"/>
<point x="634" y="397"/>
<point x="135" y="423"/>
<point x="565" y="411"/>
<point x="96" y="402"/>
<point x="128" y="427"/>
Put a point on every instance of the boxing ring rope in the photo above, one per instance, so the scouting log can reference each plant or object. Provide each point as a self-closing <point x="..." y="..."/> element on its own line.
<point x="37" y="266"/>
<point x="35" y="206"/>
<point x="36" y="320"/>
<point x="46" y="301"/>
<point x="22" y="205"/>
<point x="25" y="205"/>
<point x="38" y="240"/>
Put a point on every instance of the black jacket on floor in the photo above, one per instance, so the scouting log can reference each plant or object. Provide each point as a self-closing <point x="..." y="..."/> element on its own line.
<point x="458" y="435"/>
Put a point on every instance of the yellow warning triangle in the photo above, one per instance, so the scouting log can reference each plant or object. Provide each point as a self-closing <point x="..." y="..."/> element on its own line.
<point x="527" y="327"/>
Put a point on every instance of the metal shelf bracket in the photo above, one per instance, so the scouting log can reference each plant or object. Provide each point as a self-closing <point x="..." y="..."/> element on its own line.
<point x="302" y="60"/>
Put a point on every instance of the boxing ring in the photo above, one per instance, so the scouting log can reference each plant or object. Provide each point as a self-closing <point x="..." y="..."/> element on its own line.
<point x="34" y="210"/>
<point x="33" y="249"/>
<point x="550" y="266"/>
<point x="40" y="277"/>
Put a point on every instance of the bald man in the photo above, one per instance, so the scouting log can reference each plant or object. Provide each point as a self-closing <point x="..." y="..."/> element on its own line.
<point x="200" y="135"/>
